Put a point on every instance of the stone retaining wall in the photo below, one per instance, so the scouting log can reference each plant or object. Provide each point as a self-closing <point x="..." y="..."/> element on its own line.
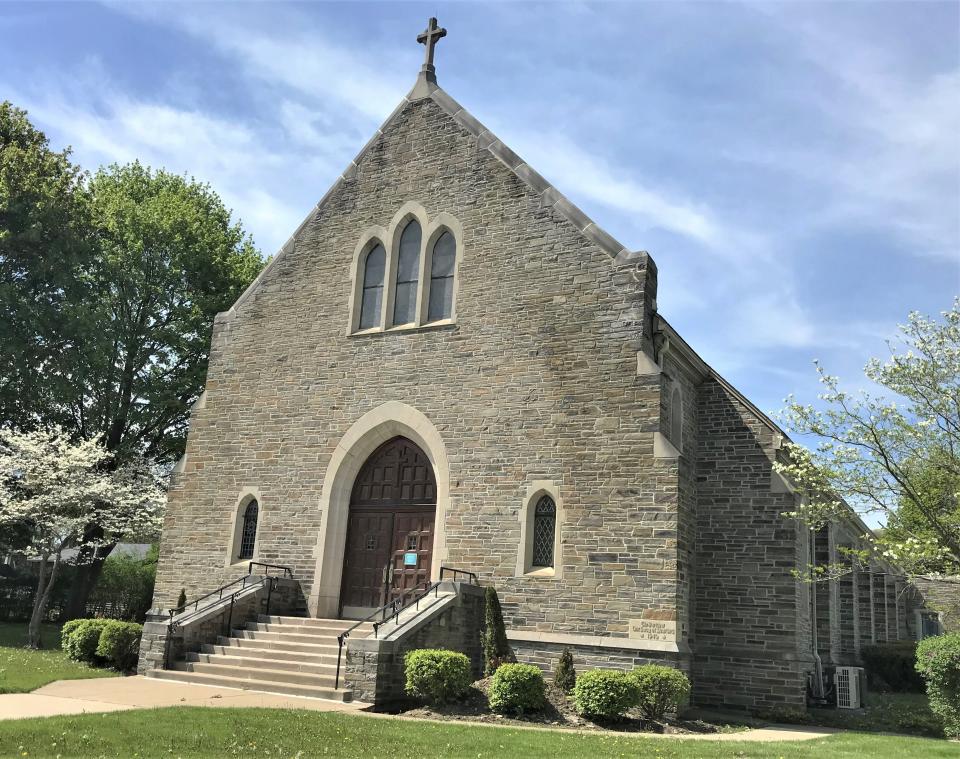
<point x="374" y="668"/>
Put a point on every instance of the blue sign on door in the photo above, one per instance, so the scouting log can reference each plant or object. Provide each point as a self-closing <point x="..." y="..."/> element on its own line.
<point x="410" y="559"/>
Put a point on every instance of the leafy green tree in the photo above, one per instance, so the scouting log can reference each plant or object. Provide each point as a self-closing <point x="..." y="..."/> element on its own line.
<point x="45" y="258"/>
<point x="895" y="454"/>
<point x="169" y="258"/>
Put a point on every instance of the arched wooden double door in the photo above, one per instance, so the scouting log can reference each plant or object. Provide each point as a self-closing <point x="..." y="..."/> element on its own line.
<point x="390" y="530"/>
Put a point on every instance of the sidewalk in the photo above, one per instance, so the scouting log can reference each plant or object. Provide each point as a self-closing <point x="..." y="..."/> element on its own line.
<point x="122" y="694"/>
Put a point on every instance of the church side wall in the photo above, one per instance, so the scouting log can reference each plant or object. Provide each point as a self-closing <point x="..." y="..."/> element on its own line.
<point x="751" y="637"/>
<point x="536" y="381"/>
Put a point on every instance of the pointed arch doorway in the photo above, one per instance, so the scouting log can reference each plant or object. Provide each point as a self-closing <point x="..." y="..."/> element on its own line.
<point x="390" y="528"/>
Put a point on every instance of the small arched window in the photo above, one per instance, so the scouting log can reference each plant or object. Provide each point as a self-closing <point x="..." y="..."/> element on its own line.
<point x="372" y="297"/>
<point x="408" y="275"/>
<point x="544" y="530"/>
<point x="441" y="278"/>
<point x="676" y="418"/>
<point x="248" y="531"/>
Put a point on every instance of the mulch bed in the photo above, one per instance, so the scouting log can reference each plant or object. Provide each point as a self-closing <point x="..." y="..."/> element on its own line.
<point x="559" y="712"/>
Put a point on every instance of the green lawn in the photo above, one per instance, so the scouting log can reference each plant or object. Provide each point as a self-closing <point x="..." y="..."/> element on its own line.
<point x="202" y="732"/>
<point x="885" y="712"/>
<point x="23" y="670"/>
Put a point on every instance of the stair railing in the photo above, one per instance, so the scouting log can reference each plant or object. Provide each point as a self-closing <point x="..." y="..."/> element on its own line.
<point x="396" y="606"/>
<point x="227" y="592"/>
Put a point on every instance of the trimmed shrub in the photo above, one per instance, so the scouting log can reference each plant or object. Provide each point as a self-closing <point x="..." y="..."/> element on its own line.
<point x="436" y="675"/>
<point x="895" y="664"/>
<point x="517" y="688"/>
<point x="566" y="676"/>
<point x="120" y="644"/>
<point x="67" y="630"/>
<point x="605" y="693"/>
<point x="496" y="650"/>
<point x="81" y="644"/>
<point x="661" y="689"/>
<point x="938" y="660"/>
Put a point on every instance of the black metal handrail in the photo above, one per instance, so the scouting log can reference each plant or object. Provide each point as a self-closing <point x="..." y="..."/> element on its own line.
<point x="287" y="571"/>
<point x="457" y="572"/>
<point x="395" y="608"/>
<point x="218" y="592"/>
<point x="172" y="625"/>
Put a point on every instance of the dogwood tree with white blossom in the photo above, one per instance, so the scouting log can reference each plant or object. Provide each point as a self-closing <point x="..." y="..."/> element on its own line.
<point x="893" y="453"/>
<point x="54" y="489"/>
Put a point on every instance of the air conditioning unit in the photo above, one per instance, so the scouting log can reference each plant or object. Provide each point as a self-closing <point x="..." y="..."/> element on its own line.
<point x="847" y="682"/>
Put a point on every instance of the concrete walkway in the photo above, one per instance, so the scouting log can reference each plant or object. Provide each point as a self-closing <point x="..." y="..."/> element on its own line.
<point x="114" y="694"/>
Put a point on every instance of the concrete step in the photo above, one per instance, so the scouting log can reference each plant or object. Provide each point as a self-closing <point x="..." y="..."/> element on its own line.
<point x="314" y="630"/>
<point x="274" y="644"/>
<point x="265" y="686"/>
<point x="243" y="672"/>
<point x="272" y="654"/>
<point x="334" y="624"/>
<point x="286" y="637"/>
<point x="230" y="658"/>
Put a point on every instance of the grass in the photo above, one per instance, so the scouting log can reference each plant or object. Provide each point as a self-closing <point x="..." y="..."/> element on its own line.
<point x="885" y="712"/>
<point x="205" y="732"/>
<point x="23" y="670"/>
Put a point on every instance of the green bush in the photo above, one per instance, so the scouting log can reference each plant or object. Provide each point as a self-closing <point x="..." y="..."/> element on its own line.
<point x="124" y="589"/>
<point x="662" y="689"/>
<point x="566" y="676"/>
<point x="517" y="688"/>
<point x="436" y="675"/>
<point x="81" y="644"/>
<point x="605" y="693"/>
<point x="120" y="644"/>
<point x="895" y="664"/>
<point x="67" y="630"/>
<point x="938" y="660"/>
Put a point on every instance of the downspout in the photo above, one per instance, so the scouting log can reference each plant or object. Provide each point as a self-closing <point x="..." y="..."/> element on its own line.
<point x="818" y="691"/>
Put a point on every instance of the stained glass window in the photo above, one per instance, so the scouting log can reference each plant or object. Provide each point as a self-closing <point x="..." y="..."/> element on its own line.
<point x="248" y="536"/>
<point x="408" y="275"/>
<point x="441" y="278"/>
<point x="372" y="296"/>
<point x="544" y="530"/>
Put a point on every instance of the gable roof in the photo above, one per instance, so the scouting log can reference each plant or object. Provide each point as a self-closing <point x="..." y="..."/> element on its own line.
<point x="550" y="197"/>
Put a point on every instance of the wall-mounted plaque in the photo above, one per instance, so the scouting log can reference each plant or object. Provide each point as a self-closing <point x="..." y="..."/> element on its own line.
<point x="410" y="559"/>
<point x="664" y="630"/>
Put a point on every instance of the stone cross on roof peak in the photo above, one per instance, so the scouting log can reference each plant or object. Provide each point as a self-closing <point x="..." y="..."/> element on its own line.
<point x="430" y="37"/>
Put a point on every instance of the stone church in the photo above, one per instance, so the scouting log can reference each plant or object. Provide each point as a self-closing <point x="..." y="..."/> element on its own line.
<point x="451" y="366"/>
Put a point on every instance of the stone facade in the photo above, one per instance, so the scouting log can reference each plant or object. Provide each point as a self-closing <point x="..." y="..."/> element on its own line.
<point x="555" y="369"/>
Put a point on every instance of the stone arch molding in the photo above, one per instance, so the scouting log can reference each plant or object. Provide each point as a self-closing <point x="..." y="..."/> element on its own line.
<point x="368" y="433"/>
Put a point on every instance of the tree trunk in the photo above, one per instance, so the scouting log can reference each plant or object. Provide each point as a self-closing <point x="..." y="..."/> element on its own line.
<point x="42" y="598"/>
<point x="85" y="579"/>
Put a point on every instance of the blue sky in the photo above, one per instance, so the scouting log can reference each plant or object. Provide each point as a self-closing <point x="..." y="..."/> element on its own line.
<point x="794" y="169"/>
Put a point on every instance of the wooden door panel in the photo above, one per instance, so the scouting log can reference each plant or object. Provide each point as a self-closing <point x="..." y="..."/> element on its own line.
<point x="369" y="545"/>
<point x="412" y="539"/>
<point x="392" y="507"/>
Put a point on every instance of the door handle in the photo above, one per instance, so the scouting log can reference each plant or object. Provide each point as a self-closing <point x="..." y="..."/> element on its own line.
<point x="390" y="574"/>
